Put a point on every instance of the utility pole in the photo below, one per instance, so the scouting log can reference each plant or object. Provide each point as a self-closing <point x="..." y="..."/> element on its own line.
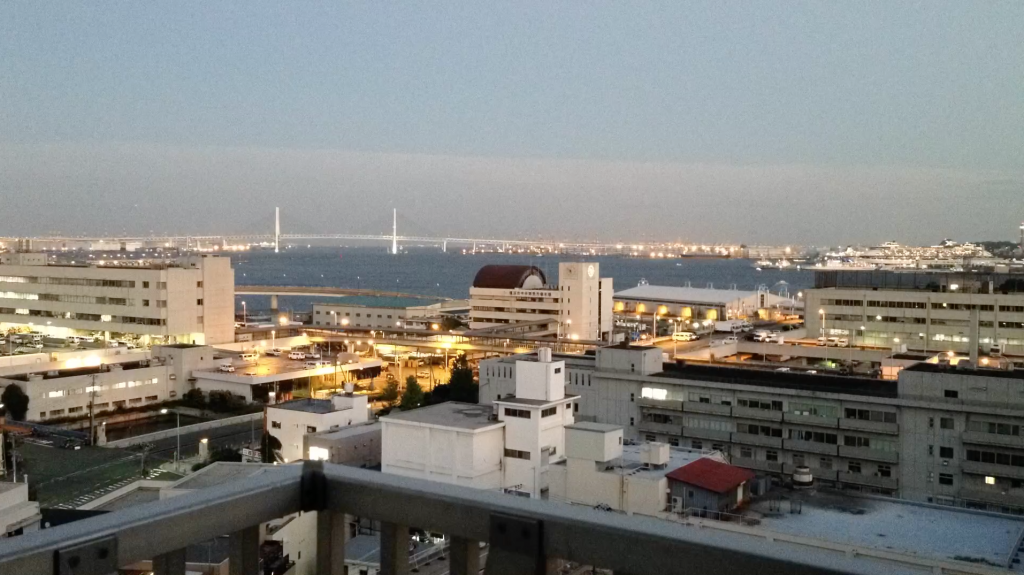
<point x="92" y="412"/>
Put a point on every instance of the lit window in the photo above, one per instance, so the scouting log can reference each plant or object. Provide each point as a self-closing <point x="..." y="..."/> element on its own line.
<point x="105" y="318"/>
<point x="989" y="480"/>
<point x="652" y="393"/>
<point x="318" y="454"/>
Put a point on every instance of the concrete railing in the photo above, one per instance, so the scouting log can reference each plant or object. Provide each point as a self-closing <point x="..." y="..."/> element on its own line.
<point x="213" y="424"/>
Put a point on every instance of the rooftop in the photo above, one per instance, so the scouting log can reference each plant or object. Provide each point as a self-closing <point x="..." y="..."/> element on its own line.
<point x="306" y="404"/>
<point x="449" y="414"/>
<point x="678" y="456"/>
<point x="593" y="426"/>
<point x="954" y="283"/>
<point x="921" y="530"/>
<point x="711" y="475"/>
<point x="684" y="294"/>
<point x="221" y="472"/>
<point x="961" y="369"/>
<point x="349" y="431"/>
<point x="538" y="402"/>
<point x="848" y="385"/>
<point x="509" y="277"/>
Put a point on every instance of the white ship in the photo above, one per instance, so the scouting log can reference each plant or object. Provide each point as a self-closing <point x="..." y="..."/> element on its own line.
<point x="948" y="255"/>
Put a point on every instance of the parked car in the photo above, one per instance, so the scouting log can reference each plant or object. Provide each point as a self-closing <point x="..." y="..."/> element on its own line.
<point x="832" y="342"/>
<point x="249" y="356"/>
<point x="315" y="354"/>
<point x="274" y="352"/>
<point x="226" y="367"/>
<point x="822" y="341"/>
<point x="315" y="363"/>
<point x="842" y="342"/>
<point x="731" y="339"/>
<point x="685" y="336"/>
<point x="296" y="355"/>
<point x="423" y="374"/>
<point x="783" y="369"/>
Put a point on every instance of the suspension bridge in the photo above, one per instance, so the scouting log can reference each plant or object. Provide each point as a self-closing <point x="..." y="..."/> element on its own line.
<point x="276" y="240"/>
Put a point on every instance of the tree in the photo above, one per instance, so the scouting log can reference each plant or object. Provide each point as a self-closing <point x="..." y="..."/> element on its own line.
<point x="390" y="394"/>
<point x="270" y="448"/>
<point x="15" y="402"/>
<point x="194" y="398"/>
<point x="449" y="323"/>
<point x="462" y="386"/>
<point x="220" y="454"/>
<point x="413" y="395"/>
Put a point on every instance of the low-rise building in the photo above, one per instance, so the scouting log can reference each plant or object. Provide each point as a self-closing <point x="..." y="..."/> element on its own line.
<point x="509" y="447"/>
<point x="292" y="420"/>
<point x="385" y="316"/>
<point x="355" y="445"/>
<point x="578" y="307"/>
<point x="690" y="303"/>
<point x="919" y="310"/>
<point x="708" y="485"/>
<point x="184" y="300"/>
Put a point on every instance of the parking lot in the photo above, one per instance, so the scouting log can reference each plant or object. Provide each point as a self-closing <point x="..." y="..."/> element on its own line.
<point x="49" y="345"/>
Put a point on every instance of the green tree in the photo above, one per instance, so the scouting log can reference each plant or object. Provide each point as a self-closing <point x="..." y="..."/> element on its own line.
<point x="390" y="393"/>
<point x="270" y="448"/>
<point x="194" y="398"/>
<point x="449" y="323"/>
<point x="462" y="386"/>
<point x="413" y="395"/>
<point x="220" y="454"/>
<point x="15" y="402"/>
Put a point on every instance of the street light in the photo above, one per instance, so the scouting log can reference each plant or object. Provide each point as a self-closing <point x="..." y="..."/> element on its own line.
<point x="344" y="321"/>
<point x="177" y="428"/>
<point x="243" y="314"/>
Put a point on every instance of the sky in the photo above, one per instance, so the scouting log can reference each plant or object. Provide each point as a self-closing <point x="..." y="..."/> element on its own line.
<point x="743" y="121"/>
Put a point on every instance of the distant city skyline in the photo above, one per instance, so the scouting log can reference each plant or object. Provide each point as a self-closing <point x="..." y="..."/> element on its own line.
<point x="819" y="124"/>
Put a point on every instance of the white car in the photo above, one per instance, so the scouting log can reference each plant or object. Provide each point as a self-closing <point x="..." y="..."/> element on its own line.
<point x="296" y="355"/>
<point x="684" y="336"/>
<point x="315" y="354"/>
<point x="315" y="363"/>
<point x="842" y="342"/>
<point x="832" y="342"/>
<point x="276" y="352"/>
<point x="822" y="341"/>
<point x="730" y="339"/>
<point x="423" y="374"/>
<point x="226" y="367"/>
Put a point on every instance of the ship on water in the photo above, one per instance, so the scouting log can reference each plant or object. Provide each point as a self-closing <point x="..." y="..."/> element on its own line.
<point x="947" y="255"/>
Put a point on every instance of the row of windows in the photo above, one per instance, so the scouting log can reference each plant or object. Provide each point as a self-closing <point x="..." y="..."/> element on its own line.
<point x="84" y="282"/>
<point x="752" y="429"/>
<point x="83" y="316"/>
<point x="995" y="457"/>
<point x="349" y="314"/>
<point x="870" y="443"/>
<point x="766" y="404"/>
<point x="921" y="305"/>
<point x="98" y="407"/>
<point x="97" y="388"/>
<point x="992" y="427"/>
<point x="522" y="413"/>
<point x="516" y="454"/>
<point x="549" y="411"/>
<point x="870" y="415"/>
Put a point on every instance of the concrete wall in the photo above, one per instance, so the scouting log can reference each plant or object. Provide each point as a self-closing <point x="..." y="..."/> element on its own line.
<point x="448" y="455"/>
<point x="358" y="316"/>
<point x="362" y="448"/>
<point x="290" y="425"/>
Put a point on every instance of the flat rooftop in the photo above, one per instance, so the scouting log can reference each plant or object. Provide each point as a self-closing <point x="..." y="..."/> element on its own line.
<point x="307" y="405"/>
<point x="222" y="472"/>
<point x="977" y="372"/>
<point x="850" y="385"/>
<point x="537" y="402"/>
<point x="593" y="426"/>
<point x="33" y="369"/>
<point x="449" y="414"/>
<point x="676" y="294"/>
<point x="921" y="530"/>
<point x="131" y="499"/>
<point x="349" y="431"/>
<point x="630" y="464"/>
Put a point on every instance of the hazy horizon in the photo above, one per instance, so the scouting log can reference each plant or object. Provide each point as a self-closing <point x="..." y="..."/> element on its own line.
<point x="757" y="122"/>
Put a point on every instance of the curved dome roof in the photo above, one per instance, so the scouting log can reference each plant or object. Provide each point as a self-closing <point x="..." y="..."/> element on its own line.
<point x="509" y="277"/>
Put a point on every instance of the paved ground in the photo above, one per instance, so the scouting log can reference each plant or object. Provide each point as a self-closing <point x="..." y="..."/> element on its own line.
<point x="235" y="435"/>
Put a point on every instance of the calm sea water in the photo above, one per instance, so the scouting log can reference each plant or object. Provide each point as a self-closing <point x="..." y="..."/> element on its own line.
<point x="428" y="271"/>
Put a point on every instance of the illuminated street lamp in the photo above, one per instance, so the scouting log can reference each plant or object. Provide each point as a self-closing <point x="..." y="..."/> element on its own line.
<point x="435" y="327"/>
<point x="177" y="428"/>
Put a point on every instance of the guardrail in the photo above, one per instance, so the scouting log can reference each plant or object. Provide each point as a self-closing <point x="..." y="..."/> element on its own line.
<point x="525" y="535"/>
<point x="174" y="432"/>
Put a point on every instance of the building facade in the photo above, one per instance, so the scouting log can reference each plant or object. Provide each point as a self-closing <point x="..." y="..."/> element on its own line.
<point x="579" y="307"/>
<point x="939" y="434"/>
<point x="186" y="300"/>
<point x="292" y="420"/>
<point x="923" y="311"/>
<point x="384" y="317"/>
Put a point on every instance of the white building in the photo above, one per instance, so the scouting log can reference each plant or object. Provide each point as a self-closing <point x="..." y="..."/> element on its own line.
<point x="63" y="384"/>
<point x="17" y="514"/>
<point x="186" y="300"/>
<point x="290" y="421"/>
<point x="579" y="307"/>
<point x="383" y="317"/>
<point x="599" y="470"/>
<point x="690" y="303"/>
<point x="510" y="447"/>
<point x="922" y="311"/>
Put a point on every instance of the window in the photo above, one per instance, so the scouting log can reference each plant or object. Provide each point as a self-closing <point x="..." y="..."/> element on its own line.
<point x="870" y="415"/>
<point x="152" y="397"/>
<point x="549" y="411"/>
<point x="765" y="430"/>
<point x="946" y="422"/>
<point x="853" y="467"/>
<point x="771" y="455"/>
<point x="145" y="285"/>
<point x="946" y="452"/>
<point x="992" y="427"/>
<point x="696" y="444"/>
<point x="995" y="457"/>
<point x="951" y="393"/>
<point x="558" y="370"/>
<point x="575" y="408"/>
<point x="650" y="438"/>
<point x="145" y="303"/>
<point x="931" y="450"/>
<point x="310" y="429"/>
<point x="989" y="480"/>
<point x="746" y="452"/>
<point x="631" y="423"/>
<point x="199" y="284"/>
<point x="769" y="405"/>
<point x="516" y="454"/>
<point x="653" y="393"/>
<point x="884" y="471"/>
<point x="673" y="441"/>
<point x="632" y="397"/>
<point x="275" y="424"/>
<point x="523" y="413"/>
<point x="945" y="479"/>
<point x="199" y="302"/>
<point x="814" y="436"/>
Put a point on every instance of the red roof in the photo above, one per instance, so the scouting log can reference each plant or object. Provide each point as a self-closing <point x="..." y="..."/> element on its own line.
<point x="711" y="475"/>
<point x="506" y="277"/>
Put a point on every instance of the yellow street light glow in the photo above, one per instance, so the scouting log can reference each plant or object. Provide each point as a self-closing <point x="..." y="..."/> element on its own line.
<point x="435" y="326"/>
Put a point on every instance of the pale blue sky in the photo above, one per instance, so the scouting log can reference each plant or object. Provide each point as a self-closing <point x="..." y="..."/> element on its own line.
<point x="861" y="116"/>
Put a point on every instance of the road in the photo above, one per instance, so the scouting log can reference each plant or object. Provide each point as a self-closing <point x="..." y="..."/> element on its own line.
<point x="234" y="435"/>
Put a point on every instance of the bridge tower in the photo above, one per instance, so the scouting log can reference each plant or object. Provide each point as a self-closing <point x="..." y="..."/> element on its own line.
<point x="394" y="232"/>
<point x="277" y="229"/>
